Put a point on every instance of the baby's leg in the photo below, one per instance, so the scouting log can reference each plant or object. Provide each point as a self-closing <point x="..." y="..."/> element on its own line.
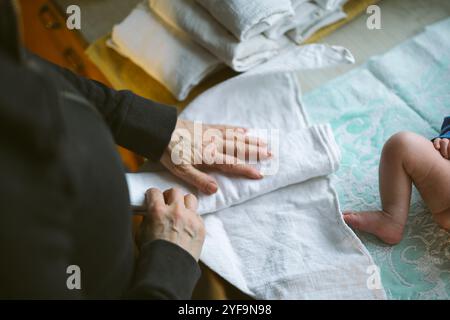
<point x="406" y="158"/>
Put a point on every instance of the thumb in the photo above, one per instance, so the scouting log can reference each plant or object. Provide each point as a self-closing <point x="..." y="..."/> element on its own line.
<point x="202" y="181"/>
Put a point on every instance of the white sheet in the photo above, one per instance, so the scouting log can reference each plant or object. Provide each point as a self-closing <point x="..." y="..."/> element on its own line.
<point x="246" y="19"/>
<point x="291" y="243"/>
<point x="164" y="53"/>
<point x="193" y="20"/>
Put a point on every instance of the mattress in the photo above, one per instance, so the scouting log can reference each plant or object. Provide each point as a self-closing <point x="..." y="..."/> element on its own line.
<point x="407" y="88"/>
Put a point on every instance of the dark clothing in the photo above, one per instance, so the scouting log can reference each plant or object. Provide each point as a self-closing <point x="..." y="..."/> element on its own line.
<point x="63" y="195"/>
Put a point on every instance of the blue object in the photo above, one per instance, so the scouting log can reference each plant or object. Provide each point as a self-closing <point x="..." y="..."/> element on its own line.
<point x="445" y="130"/>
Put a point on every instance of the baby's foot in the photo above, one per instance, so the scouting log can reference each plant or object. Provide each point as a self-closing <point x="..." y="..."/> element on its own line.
<point x="378" y="223"/>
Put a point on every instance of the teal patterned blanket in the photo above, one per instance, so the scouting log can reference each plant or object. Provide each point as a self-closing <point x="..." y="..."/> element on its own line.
<point x="407" y="88"/>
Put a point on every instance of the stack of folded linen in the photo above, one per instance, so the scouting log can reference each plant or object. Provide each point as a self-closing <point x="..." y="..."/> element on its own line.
<point x="181" y="42"/>
<point x="309" y="17"/>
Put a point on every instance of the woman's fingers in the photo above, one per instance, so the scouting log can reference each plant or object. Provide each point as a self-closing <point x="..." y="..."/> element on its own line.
<point x="437" y="143"/>
<point x="230" y="142"/>
<point x="231" y="133"/>
<point x="235" y="142"/>
<point x="154" y="197"/>
<point x="173" y="195"/>
<point x="190" y="202"/>
<point x="230" y="165"/>
<point x="245" y="138"/>
<point x="191" y="175"/>
<point x="255" y="141"/>
<point x="257" y="152"/>
<point x="245" y="147"/>
<point x="244" y="151"/>
<point x="444" y="143"/>
<point x="225" y="128"/>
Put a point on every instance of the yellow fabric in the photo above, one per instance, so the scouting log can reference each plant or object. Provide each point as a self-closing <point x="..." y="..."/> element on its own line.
<point x="123" y="74"/>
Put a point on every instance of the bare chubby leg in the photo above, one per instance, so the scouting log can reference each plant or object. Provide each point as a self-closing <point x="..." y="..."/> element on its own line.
<point x="407" y="159"/>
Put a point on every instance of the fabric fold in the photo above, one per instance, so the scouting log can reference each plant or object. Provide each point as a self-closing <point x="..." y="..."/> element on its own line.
<point x="246" y="19"/>
<point x="299" y="156"/>
<point x="163" y="52"/>
<point x="319" y="18"/>
<point x="330" y="4"/>
<point x="304" y="13"/>
<point x="194" y="21"/>
<point x="309" y="17"/>
<point x="291" y="243"/>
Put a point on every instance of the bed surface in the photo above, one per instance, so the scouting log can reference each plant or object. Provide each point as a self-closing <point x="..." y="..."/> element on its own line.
<point x="407" y="88"/>
<point x="400" y="20"/>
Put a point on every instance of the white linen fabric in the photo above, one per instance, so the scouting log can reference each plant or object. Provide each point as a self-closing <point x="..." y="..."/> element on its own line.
<point x="303" y="14"/>
<point x="291" y="243"/>
<point x="166" y="54"/>
<point x="330" y="4"/>
<point x="188" y="17"/>
<point x="246" y="19"/>
<point x="318" y="19"/>
<point x="299" y="156"/>
<point x="309" y="17"/>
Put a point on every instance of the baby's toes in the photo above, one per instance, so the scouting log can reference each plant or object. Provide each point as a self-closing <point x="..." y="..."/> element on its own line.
<point x="437" y="143"/>
<point x="352" y="219"/>
<point x="444" y="143"/>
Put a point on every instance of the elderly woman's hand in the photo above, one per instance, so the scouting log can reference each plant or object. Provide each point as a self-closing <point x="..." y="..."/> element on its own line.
<point x="194" y="147"/>
<point x="172" y="216"/>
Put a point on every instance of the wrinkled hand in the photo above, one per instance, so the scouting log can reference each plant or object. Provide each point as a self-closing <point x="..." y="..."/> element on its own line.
<point x="443" y="146"/>
<point x="217" y="147"/>
<point x="172" y="216"/>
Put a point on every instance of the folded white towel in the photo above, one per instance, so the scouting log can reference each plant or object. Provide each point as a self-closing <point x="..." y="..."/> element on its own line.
<point x="321" y="18"/>
<point x="189" y="17"/>
<point x="246" y="19"/>
<point x="164" y="53"/>
<point x="291" y="243"/>
<point x="309" y="18"/>
<point x="330" y="5"/>
<point x="306" y="13"/>
<point x="299" y="156"/>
